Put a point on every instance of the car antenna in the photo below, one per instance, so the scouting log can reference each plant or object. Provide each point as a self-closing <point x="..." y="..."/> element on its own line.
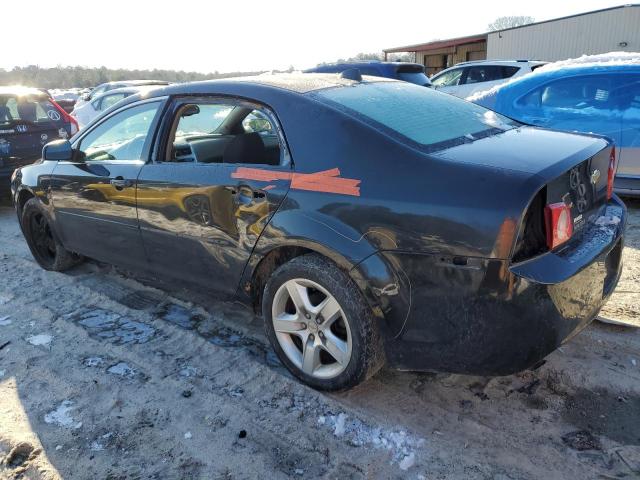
<point x="352" y="74"/>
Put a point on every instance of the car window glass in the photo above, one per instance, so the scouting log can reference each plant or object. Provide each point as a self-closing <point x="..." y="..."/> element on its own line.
<point x="210" y="132"/>
<point x="448" y="79"/>
<point x="508" y="72"/>
<point x="585" y="93"/>
<point x="120" y="137"/>
<point x="28" y="109"/>
<point x="488" y="73"/>
<point x="430" y="119"/>
<point x="110" y="100"/>
<point x="204" y="121"/>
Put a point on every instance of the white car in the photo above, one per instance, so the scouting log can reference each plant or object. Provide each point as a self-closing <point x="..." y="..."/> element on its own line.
<point x="105" y="87"/>
<point x="88" y="111"/>
<point x="468" y="78"/>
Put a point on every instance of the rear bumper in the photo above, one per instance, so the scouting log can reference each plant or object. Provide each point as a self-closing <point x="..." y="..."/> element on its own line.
<point x="627" y="185"/>
<point x="488" y="317"/>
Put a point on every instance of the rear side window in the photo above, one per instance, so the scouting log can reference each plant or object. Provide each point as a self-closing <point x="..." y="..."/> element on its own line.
<point x="426" y="118"/>
<point x="489" y="73"/>
<point x="219" y="132"/>
<point x="28" y="109"/>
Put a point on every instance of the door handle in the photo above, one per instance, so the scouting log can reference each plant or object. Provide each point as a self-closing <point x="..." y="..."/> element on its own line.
<point x="119" y="183"/>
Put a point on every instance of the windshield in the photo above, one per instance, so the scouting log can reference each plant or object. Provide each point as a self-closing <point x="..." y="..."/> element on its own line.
<point x="421" y="116"/>
<point x="36" y="109"/>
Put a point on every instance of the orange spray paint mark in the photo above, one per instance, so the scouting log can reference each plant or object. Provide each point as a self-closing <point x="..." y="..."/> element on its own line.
<point x="328" y="181"/>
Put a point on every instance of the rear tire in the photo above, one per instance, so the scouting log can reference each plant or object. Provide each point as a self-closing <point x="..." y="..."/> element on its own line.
<point x="332" y="353"/>
<point x="43" y="243"/>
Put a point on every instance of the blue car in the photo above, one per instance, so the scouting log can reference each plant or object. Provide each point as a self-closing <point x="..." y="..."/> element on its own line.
<point x="405" y="71"/>
<point x="601" y="98"/>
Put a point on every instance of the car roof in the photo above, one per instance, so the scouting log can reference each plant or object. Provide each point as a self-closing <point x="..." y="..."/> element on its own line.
<point x="500" y="62"/>
<point x="132" y="90"/>
<point x="19" y="90"/>
<point x="133" y="83"/>
<point x="388" y="66"/>
<point x="291" y="82"/>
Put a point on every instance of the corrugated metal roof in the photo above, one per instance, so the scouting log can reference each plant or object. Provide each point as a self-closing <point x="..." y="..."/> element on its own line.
<point x="451" y="42"/>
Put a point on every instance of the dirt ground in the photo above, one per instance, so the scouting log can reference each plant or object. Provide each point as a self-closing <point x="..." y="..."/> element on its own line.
<point x="105" y="377"/>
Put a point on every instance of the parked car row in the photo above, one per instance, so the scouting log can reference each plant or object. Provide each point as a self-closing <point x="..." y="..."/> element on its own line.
<point x="370" y="221"/>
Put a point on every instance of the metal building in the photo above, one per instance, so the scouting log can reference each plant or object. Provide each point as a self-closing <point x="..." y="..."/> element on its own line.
<point x="599" y="31"/>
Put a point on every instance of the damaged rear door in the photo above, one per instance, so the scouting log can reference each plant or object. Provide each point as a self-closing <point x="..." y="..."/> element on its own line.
<point x="221" y="170"/>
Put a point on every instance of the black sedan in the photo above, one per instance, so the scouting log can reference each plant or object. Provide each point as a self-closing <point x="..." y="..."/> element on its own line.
<point x="370" y="221"/>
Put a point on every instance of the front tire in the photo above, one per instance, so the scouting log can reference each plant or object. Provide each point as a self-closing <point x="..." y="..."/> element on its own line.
<point x="43" y="243"/>
<point x="320" y="325"/>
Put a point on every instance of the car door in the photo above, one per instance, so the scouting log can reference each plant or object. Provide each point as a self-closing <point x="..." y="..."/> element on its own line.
<point x="629" y="156"/>
<point x="221" y="171"/>
<point x="94" y="195"/>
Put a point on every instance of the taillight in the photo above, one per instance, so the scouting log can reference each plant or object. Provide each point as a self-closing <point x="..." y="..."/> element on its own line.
<point x="611" y="172"/>
<point x="558" y="223"/>
<point x="73" y="123"/>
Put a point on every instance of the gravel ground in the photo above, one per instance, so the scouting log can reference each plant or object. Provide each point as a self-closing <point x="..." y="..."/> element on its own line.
<point x="106" y="377"/>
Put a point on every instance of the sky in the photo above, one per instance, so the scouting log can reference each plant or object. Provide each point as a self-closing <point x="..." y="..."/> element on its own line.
<point x="241" y="35"/>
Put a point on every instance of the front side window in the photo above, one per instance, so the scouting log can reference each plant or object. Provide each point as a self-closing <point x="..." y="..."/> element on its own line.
<point x="429" y="119"/>
<point x="587" y="92"/>
<point x="120" y="137"/>
<point x="447" y="79"/>
<point x="220" y="132"/>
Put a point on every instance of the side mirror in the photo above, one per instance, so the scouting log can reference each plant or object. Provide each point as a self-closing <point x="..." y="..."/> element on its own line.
<point x="188" y="110"/>
<point x="58" y="150"/>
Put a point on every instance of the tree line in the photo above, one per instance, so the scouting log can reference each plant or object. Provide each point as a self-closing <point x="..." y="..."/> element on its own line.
<point x="77" y="76"/>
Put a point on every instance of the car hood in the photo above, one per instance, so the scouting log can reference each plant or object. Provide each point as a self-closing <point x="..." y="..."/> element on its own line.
<point x="532" y="150"/>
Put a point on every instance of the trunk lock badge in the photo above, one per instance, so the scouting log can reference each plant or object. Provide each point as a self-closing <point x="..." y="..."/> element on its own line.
<point x="595" y="176"/>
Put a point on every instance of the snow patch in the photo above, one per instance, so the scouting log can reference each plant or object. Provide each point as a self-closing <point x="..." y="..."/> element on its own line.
<point x="122" y="369"/>
<point x="407" y="462"/>
<point x="188" y="435"/>
<point x="40" y="340"/>
<point x="1" y="373"/>
<point x="4" y="321"/>
<point x="401" y="445"/>
<point x="61" y="416"/>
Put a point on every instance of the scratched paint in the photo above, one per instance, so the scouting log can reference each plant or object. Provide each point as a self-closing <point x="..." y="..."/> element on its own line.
<point x="327" y="181"/>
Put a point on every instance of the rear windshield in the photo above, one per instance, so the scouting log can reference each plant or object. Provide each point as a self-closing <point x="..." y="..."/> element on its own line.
<point x="27" y="109"/>
<point x="420" y="116"/>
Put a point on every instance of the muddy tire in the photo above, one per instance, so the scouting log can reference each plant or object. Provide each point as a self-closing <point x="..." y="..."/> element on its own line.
<point x="43" y="243"/>
<point x="320" y="325"/>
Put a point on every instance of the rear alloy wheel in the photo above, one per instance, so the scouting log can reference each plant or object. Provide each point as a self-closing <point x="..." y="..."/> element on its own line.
<point x="319" y="324"/>
<point x="46" y="249"/>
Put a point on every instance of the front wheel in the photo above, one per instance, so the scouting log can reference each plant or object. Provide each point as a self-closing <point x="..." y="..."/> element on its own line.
<point x="320" y="325"/>
<point x="45" y="247"/>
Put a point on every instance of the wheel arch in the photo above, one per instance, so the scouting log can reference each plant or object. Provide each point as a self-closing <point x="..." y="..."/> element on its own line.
<point x="260" y="270"/>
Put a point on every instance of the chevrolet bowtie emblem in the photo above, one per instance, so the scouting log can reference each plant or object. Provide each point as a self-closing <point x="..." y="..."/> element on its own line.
<point x="595" y="176"/>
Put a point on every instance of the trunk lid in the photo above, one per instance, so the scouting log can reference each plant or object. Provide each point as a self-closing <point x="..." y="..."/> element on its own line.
<point x="546" y="153"/>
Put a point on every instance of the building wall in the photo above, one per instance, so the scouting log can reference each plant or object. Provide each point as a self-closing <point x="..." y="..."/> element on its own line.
<point x="599" y="32"/>
<point x="437" y="60"/>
